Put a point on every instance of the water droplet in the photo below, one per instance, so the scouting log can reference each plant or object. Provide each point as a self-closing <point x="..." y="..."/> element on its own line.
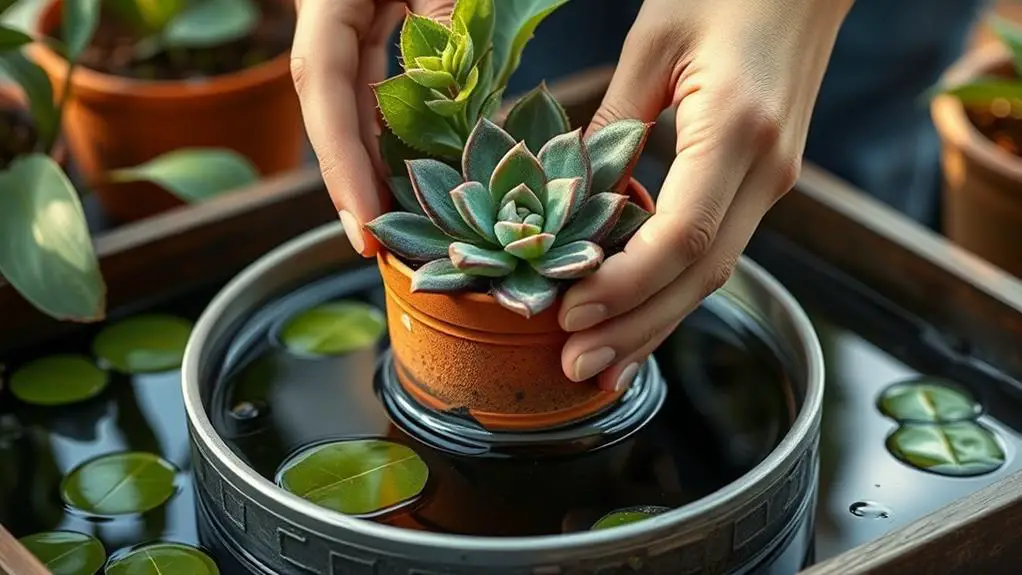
<point x="245" y="411"/>
<point x="870" y="510"/>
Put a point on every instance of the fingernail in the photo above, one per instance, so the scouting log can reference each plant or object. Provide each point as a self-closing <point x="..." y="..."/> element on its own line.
<point x="627" y="377"/>
<point x="352" y="230"/>
<point x="592" y="362"/>
<point x="584" y="316"/>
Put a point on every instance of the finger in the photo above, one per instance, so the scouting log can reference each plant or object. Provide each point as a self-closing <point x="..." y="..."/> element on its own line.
<point x="696" y="194"/>
<point x="372" y="69"/>
<point x="324" y="65"/>
<point x="436" y="9"/>
<point x="632" y="337"/>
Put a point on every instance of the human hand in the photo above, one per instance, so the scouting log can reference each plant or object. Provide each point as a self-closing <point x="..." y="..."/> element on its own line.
<point x="744" y="75"/>
<point x="339" y="51"/>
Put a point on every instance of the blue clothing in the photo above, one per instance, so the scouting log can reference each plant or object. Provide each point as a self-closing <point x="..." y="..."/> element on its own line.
<point x="869" y="126"/>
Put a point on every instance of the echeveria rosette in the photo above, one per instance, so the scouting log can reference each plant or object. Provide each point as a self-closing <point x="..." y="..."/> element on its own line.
<point x="526" y="223"/>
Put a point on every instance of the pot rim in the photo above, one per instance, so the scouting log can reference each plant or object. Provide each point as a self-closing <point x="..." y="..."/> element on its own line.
<point x="92" y="83"/>
<point x="710" y="509"/>
<point x="954" y="126"/>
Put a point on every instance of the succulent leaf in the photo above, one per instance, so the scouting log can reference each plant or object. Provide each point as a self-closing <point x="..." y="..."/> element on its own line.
<point x="613" y="151"/>
<point x="510" y="232"/>
<point x="523" y="197"/>
<point x="474" y="204"/>
<point x="565" y="156"/>
<point x="433" y="182"/>
<point x="509" y="213"/>
<point x="402" y="104"/>
<point x="530" y="247"/>
<point x="525" y="292"/>
<point x="486" y="145"/>
<point x="570" y="261"/>
<point x="534" y="220"/>
<point x="404" y="193"/>
<point x="536" y="118"/>
<point x="518" y="166"/>
<point x="441" y="276"/>
<point x="595" y="220"/>
<point x="491" y="104"/>
<point x="422" y="36"/>
<point x="410" y="236"/>
<point x="476" y="261"/>
<point x="478" y="18"/>
<point x="429" y="78"/>
<point x="561" y="195"/>
<point x="631" y="219"/>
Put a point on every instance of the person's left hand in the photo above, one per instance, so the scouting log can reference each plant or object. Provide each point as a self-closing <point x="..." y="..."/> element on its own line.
<point x="744" y="75"/>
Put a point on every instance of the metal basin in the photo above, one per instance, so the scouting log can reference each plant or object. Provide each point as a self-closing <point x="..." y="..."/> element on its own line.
<point x="747" y="525"/>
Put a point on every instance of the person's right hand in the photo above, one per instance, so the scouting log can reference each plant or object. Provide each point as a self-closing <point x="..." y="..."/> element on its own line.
<point x="339" y="50"/>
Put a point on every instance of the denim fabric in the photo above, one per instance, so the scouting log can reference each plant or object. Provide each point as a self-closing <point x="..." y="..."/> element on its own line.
<point x="870" y="126"/>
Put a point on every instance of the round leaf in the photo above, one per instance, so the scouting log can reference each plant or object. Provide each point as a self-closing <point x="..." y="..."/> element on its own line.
<point x="119" y="484"/>
<point x="629" y="515"/>
<point x="334" y="328"/>
<point x="45" y="248"/>
<point x="193" y="174"/>
<point x="927" y="401"/>
<point x="66" y="552"/>
<point x="163" y="558"/>
<point x="144" y="343"/>
<point x="961" y="449"/>
<point x="58" y="380"/>
<point x="211" y="23"/>
<point x="357" y="477"/>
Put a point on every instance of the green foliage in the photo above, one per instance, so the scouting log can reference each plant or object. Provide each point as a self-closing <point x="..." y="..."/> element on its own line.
<point x="119" y="484"/>
<point x="162" y="558"/>
<point x="66" y="552"/>
<point x="143" y="343"/>
<point x="983" y="91"/>
<point x="334" y="328"/>
<point x="628" y="515"/>
<point x="176" y="24"/>
<point x="58" y="380"/>
<point x="193" y="174"/>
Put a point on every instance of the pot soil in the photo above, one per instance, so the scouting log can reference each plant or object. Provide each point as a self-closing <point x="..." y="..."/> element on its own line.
<point x="466" y="352"/>
<point x="17" y="130"/>
<point x="982" y="166"/>
<point x="124" y="112"/>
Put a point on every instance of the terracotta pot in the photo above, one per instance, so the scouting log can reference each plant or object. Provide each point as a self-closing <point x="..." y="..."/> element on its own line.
<point x="114" y="122"/>
<point x="466" y="351"/>
<point x="11" y="96"/>
<point x="982" y="182"/>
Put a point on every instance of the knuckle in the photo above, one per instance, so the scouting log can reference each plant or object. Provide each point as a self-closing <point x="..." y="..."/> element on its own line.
<point x="789" y="170"/>
<point x="696" y="235"/>
<point x="763" y="124"/>
<point x="719" y="275"/>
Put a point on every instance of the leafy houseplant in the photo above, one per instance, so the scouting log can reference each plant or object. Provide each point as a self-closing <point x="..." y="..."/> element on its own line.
<point x="492" y="222"/>
<point x="978" y="114"/>
<point x="151" y="77"/>
<point x="45" y="249"/>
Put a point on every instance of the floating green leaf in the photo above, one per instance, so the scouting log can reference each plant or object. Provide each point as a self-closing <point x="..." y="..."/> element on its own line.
<point x="45" y="248"/>
<point x="58" y="380"/>
<point x="163" y="558"/>
<point x="79" y="21"/>
<point x="211" y="23"/>
<point x="119" y="484"/>
<point x="927" y="401"/>
<point x="357" y="477"/>
<point x="193" y="174"/>
<point x="143" y="343"/>
<point x="334" y="328"/>
<point x="960" y="449"/>
<point x="66" y="552"/>
<point x="629" y="515"/>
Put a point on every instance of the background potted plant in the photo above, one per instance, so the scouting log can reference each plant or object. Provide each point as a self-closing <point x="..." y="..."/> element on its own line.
<point x="978" y="115"/>
<point x="45" y="248"/>
<point x="152" y="77"/>
<point x="492" y="222"/>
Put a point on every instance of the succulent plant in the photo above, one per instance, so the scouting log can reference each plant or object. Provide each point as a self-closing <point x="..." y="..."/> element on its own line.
<point x="522" y="222"/>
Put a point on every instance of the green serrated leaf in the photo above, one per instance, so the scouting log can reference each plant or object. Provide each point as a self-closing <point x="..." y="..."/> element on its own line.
<point x="478" y="17"/>
<point x="38" y="91"/>
<point x="514" y="24"/>
<point x="395" y="152"/>
<point x="45" y="249"/>
<point x="1011" y="35"/>
<point x="193" y="174"/>
<point x="430" y="79"/>
<point x="447" y="55"/>
<point x="12" y="38"/>
<point x="986" y="90"/>
<point x="445" y="108"/>
<point x="536" y="118"/>
<point x="432" y="63"/>
<point x="403" y="105"/>
<point x="211" y="23"/>
<point x="79" y="20"/>
<point x="422" y="37"/>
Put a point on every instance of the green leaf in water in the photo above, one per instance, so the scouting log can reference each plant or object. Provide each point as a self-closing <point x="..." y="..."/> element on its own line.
<point x="66" y="552"/>
<point x="334" y="328"/>
<point x="628" y="515"/>
<point x="58" y="380"/>
<point x="357" y="477"/>
<point x="927" y="400"/>
<point x="193" y="174"/>
<point x="143" y="343"/>
<point x="119" y="484"/>
<point x="960" y="449"/>
<point x="163" y="558"/>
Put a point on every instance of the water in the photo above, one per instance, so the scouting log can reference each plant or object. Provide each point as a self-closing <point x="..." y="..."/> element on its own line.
<point x="728" y="406"/>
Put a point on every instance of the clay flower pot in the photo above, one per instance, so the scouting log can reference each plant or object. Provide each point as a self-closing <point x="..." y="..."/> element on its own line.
<point x="113" y="122"/>
<point x="982" y="181"/>
<point x="11" y="97"/>
<point x="467" y="352"/>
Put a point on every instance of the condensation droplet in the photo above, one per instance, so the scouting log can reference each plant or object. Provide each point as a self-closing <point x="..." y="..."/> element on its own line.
<point x="245" y="411"/>
<point x="870" y="510"/>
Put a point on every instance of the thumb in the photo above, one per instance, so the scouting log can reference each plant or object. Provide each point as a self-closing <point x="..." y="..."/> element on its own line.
<point x="639" y="89"/>
<point x="436" y="9"/>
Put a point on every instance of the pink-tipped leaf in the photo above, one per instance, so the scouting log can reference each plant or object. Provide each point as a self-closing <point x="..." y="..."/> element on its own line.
<point x="477" y="261"/>
<point x="410" y="236"/>
<point x="518" y="166"/>
<point x="510" y="232"/>
<point x="530" y="247"/>
<point x="441" y="276"/>
<point x="595" y="220"/>
<point x="561" y="195"/>
<point x="570" y="261"/>
<point x="523" y="197"/>
<point x="613" y="151"/>
<point x="474" y="204"/>
<point x="485" y="147"/>
<point x="525" y="292"/>
<point x="433" y="181"/>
